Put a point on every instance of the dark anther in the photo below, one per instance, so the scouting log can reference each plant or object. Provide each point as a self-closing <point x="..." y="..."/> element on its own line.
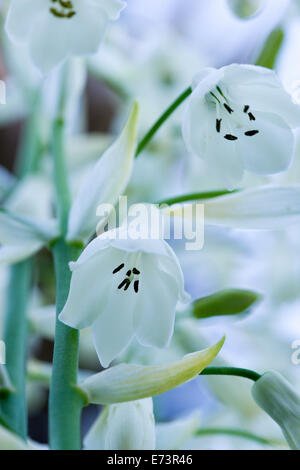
<point x="136" y="271"/>
<point x="118" y="268"/>
<point x="128" y="273"/>
<point x="230" y="137"/>
<point x="228" y="108"/>
<point x="251" y="133"/>
<point x="136" y="286"/>
<point x="252" y="117"/>
<point x="246" y="109"/>
<point x="218" y="125"/>
<point x="125" y="283"/>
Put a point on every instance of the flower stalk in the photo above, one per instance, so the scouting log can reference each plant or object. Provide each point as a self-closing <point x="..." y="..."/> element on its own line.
<point x="65" y="402"/>
<point x="161" y="120"/>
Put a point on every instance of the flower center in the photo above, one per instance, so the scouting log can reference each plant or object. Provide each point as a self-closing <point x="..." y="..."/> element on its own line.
<point x="132" y="276"/>
<point x="62" y="9"/>
<point x="226" y="112"/>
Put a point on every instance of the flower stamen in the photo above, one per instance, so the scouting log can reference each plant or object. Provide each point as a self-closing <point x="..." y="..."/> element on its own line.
<point x="251" y="133"/>
<point x="66" y="11"/>
<point x="118" y="268"/>
<point x="230" y="137"/>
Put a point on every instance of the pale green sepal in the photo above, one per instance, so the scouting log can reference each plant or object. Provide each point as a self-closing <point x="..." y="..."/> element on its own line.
<point x="105" y="183"/>
<point x="128" y="382"/>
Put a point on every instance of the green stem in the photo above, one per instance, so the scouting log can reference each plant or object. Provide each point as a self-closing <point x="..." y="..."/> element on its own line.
<point x="60" y="173"/>
<point x="170" y="110"/>
<point x="194" y="197"/>
<point x="65" y="402"/>
<point x="271" y="49"/>
<point x="13" y="406"/>
<point x="233" y="371"/>
<point x="235" y="433"/>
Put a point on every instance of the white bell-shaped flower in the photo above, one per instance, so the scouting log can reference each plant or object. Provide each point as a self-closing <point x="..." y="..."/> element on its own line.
<point x="124" y="426"/>
<point x="275" y="395"/>
<point x="240" y="118"/>
<point x="125" y="288"/>
<point x="62" y="28"/>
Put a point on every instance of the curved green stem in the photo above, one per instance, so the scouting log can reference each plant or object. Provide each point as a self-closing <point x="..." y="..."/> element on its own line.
<point x="236" y="433"/>
<point x="13" y="405"/>
<point x="194" y="197"/>
<point x="233" y="371"/>
<point x="170" y="110"/>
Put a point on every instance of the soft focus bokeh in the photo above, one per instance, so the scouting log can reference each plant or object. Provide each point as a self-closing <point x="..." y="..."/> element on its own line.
<point x="152" y="54"/>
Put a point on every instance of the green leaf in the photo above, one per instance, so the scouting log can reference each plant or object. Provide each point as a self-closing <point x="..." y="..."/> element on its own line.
<point x="226" y="302"/>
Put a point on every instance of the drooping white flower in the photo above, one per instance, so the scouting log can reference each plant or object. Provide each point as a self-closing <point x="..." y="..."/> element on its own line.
<point x="125" y="288"/>
<point x="61" y="28"/>
<point x="125" y="426"/>
<point x="240" y="118"/>
<point x="275" y="395"/>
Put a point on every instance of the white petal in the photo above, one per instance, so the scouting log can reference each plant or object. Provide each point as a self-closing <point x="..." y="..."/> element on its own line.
<point x="262" y="90"/>
<point x="22" y="16"/>
<point x="113" y="330"/>
<point x="266" y="207"/>
<point x="14" y="253"/>
<point x="270" y="151"/>
<point x="221" y="156"/>
<point x="112" y="8"/>
<point x="131" y="426"/>
<point x="157" y="299"/>
<point x="95" y="438"/>
<point x="89" y="289"/>
<point x="106" y="182"/>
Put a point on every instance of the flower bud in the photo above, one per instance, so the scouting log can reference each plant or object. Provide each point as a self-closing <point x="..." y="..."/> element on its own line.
<point x="128" y="382"/>
<point x="279" y="400"/>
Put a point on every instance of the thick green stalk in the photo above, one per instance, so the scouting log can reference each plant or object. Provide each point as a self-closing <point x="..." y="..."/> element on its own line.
<point x="65" y="402"/>
<point x="170" y="110"/>
<point x="13" y="405"/>
<point x="233" y="371"/>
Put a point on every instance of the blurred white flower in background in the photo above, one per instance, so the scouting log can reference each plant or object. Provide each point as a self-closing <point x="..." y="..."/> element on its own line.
<point x="240" y="118"/>
<point x="62" y="29"/>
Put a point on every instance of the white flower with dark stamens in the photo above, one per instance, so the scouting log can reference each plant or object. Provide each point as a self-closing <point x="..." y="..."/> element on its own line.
<point x="59" y="27"/>
<point x="240" y="118"/>
<point x="125" y="288"/>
